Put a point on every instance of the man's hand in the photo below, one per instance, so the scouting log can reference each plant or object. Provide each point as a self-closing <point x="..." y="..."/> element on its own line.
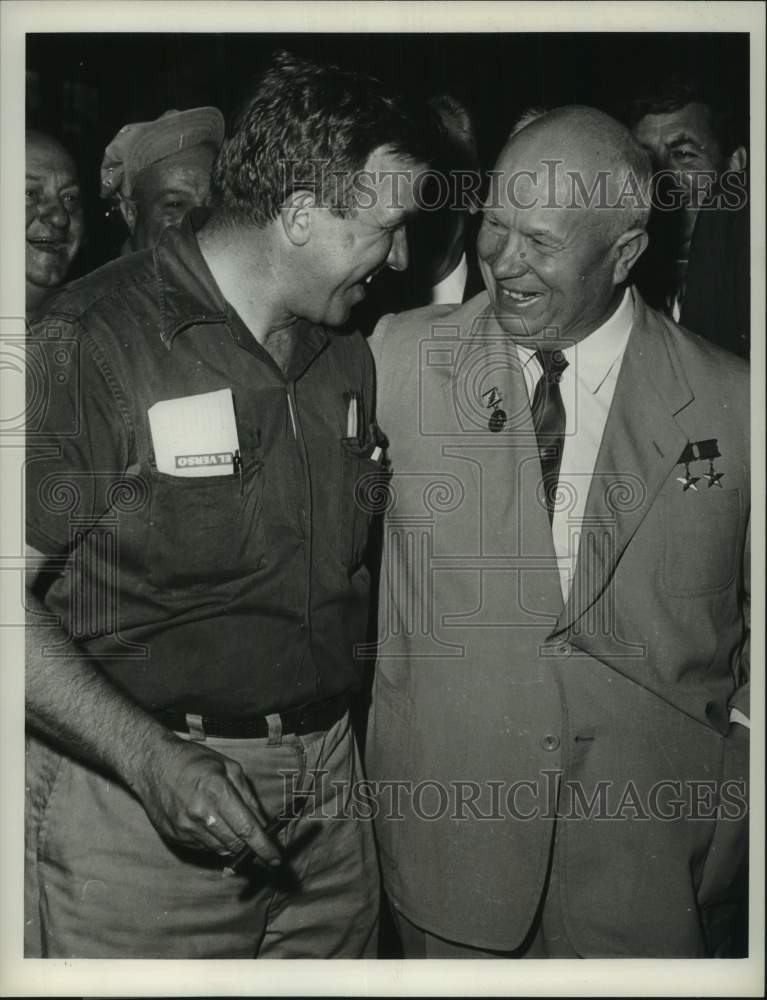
<point x="198" y="798"/>
<point x="192" y="795"/>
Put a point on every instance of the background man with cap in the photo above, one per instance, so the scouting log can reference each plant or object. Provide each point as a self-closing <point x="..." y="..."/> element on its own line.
<point x="159" y="170"/>
<point x="195" y="529"/>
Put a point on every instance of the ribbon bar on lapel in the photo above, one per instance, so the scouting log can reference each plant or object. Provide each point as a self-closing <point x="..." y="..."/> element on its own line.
<point x="697" y="450"/>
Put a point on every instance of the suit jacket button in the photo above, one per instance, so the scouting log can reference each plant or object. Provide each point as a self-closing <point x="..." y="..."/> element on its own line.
<point x="564" y="649"/>
<point x="550" y="742"/>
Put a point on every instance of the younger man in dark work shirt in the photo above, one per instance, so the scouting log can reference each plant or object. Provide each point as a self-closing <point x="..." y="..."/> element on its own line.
<point x="193" y="527"/>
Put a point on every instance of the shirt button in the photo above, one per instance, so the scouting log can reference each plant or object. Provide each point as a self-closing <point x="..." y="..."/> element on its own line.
<point x="564" y="649"/>
<point x="550" y="742"/>
<point x="302" y="626"/>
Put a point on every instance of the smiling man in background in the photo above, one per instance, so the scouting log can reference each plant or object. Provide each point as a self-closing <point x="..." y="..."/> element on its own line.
<point x="54" y="217"/>
<point x="160" y="170"/>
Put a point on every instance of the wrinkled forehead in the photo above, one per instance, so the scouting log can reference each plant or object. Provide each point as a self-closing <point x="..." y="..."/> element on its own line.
<point x="45" y="156"/>
<point x="553" y="182"/>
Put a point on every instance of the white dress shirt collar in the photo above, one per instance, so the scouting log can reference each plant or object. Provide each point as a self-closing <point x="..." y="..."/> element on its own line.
<point x="594" y="357"/>
<point x="450" y="290"/>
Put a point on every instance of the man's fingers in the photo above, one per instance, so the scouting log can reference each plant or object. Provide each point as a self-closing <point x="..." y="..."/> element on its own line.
<point x="253" y="834"/>
<point x="204" y="800"/>
<point x="241" y="822"/>
<point x="248" y="830"/>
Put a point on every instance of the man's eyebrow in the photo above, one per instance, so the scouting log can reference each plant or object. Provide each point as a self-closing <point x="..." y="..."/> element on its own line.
<point x="684" y="137"/>
<point x="31" y="176"/>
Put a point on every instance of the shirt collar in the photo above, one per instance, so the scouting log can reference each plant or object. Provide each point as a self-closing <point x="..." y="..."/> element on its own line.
<point x="456" y="277"/>
<point x="188" y="292"/>
<point x="191" y="297"/>
<point x="594" y="357"/>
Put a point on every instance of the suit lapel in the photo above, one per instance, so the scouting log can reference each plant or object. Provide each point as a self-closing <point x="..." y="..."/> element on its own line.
<point x="515" y="525"/>
<point x="641" y="444"/>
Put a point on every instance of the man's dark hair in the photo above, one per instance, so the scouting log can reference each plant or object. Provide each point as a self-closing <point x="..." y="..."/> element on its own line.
<point x="455" y="129"/>
<point x="668" y="93"/>
<point x="455" y="155"/>
<point x="309" y="127"/>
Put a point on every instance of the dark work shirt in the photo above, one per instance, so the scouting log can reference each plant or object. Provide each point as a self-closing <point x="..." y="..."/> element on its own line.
<point x="228" y="595"/>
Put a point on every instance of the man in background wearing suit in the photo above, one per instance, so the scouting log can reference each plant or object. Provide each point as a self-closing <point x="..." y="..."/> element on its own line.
<point x="558" y="735"/>
<point x="697" y="269"/>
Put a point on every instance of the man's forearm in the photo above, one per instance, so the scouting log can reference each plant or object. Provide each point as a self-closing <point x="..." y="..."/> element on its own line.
<point x="70" y="702"/>
<point x="192" y="795"/>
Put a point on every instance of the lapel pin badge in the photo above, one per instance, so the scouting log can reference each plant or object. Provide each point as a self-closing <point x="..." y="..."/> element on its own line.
<point x="498" y="418"/>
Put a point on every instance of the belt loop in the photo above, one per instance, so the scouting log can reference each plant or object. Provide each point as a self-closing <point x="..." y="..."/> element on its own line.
<point x="195" y="727"/>
<point x="274" y="722"/>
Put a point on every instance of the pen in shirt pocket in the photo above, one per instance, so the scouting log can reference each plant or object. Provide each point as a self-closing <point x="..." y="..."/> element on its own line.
<point x="353" y="416"/>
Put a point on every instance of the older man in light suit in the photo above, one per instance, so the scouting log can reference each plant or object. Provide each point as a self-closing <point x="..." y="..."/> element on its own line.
<point x="559" y="729"/>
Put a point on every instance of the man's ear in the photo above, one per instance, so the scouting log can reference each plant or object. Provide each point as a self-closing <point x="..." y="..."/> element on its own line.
<point x="628" y="248"/>
<point x="296" y="216"/>
<point x="737" y="159"/>
<point x="129" y="213"/>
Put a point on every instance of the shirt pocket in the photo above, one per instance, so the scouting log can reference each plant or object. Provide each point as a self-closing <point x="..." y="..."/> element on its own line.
<point x="703" y="547"/>
<point x="363" y="493"/>
<point x="205" y="531"/>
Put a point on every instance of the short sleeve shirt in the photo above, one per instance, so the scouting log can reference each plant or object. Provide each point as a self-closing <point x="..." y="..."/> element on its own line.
<point x="229" y="595"/>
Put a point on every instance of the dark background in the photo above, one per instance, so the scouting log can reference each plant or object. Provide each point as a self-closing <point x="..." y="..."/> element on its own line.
<point x="84" y="87"/>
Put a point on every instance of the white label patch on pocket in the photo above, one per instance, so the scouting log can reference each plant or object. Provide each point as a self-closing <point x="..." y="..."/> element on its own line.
<point x="195" y="435"/>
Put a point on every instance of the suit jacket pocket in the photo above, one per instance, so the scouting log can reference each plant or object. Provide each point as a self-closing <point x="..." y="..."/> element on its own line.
<point x="701" y="550"/>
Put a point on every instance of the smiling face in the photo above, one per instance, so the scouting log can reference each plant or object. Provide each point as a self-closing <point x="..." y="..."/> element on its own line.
<point x="164" y="192"/>
<point x="344" y="253"/>
<point x="550" y="270"/>
<point x="54" y="215"/>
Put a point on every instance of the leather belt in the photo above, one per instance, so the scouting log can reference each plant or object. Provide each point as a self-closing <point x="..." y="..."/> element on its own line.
<point x="307" y="719"/>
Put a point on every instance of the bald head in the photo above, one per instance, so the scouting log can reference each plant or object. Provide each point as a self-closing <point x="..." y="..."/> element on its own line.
<point x="588" y="158"/>
<point x="563" y="224"/>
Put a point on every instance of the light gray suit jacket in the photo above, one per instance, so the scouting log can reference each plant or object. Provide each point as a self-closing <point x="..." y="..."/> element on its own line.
<point x="498" y="707"/>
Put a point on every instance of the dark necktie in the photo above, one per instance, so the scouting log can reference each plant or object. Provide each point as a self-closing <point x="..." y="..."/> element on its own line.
<point x="549" y="421"/>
